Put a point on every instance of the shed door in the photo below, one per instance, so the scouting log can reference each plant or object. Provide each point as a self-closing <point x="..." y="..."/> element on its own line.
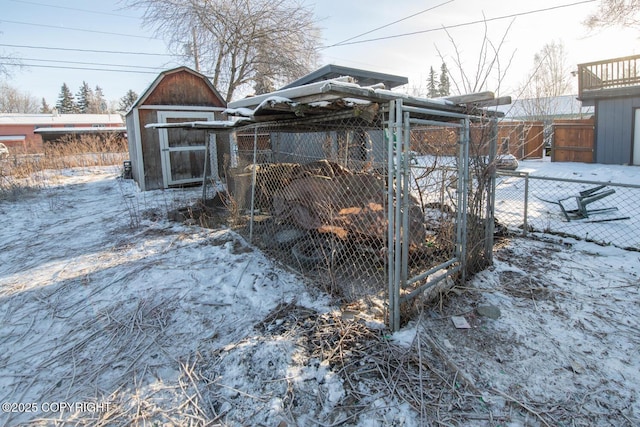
<point x="636" y="137"/>
<point x="182" y="150"/>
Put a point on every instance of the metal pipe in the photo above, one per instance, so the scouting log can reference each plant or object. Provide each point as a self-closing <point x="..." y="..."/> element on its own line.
<point x="429" y="272"/>
<point x="465" y="197"/>
<point x="459" y="190"/>
<point x="525" y="224"/>
<point x="395" y="324"/>
<point x="253" y="182"/>
<point x="406" y="172"/>
<point x="429" y="284"/>
<point x="434" y="123"/>
<point x="390" y="215"/>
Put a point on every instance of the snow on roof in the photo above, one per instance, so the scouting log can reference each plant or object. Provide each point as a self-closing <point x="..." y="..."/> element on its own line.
<point x="81" y="129"/>
<point x="64" y="119"/>
<point x="340" y="88"/>
<point x="214" y="124"/>
<point x="558" y="106"/>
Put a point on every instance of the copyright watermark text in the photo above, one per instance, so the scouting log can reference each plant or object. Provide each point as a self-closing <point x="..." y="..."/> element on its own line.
<point x="59" y="407"/>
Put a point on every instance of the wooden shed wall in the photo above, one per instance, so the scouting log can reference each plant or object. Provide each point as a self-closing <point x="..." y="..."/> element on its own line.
<point x="150" y="142"/>
<point x="183" y="88"/>
<point x="614" y="129"/>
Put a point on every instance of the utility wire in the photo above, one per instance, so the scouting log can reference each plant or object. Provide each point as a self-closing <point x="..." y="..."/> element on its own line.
<point x="76" y="68"/>
<point x="84" y="50"/>
<point x="446" y="27"/>
<point x="81" y="63"/>
<point x="82" y="68"/>
<point x="390" y="24"/>
<point x="73" y="8"/>
<point x="77" y="29"/>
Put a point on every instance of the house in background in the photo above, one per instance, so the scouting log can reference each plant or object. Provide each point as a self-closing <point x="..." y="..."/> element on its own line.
<point x="612" y="87"/>
<point x="547" y="109"/>
<point x="25" y="133"/>
<point x="169" y="157"/>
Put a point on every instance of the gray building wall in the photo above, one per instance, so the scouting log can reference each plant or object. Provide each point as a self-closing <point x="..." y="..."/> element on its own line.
<point x="614" y="129"/>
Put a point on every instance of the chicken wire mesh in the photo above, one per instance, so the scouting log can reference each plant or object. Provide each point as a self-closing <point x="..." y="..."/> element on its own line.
<point x="601" y="212"/>
<point x="319" y="198"/>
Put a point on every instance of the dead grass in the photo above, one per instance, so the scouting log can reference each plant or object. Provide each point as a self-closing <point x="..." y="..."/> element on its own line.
<point x="23" y="173"/>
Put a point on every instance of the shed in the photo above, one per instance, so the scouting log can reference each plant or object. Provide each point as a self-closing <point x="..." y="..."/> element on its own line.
<point x="173" y="156"/>
<point x="612" y="86"/>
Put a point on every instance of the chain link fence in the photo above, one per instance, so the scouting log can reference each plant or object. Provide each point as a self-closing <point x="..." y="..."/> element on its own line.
<point x="600" y="212"/>
<point x="327" y="198"/>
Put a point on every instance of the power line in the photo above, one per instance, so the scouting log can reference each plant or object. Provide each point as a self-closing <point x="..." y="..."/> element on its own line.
<point x="85" y="50"/>
<point x="77" y="29"/>
<point x="73" y="8"/>
<point x="82" y="68"/>
<point x="446" y="27"/>
<point x="76" y="68"/>
<point x="390" y="24"/>
<point x="81" y="63"/>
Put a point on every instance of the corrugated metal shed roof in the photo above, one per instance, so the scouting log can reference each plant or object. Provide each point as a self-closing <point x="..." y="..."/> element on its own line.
<point x="362" y="77"/>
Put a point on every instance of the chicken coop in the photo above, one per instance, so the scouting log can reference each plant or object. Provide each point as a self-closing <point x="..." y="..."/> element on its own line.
<point x="325" y="179"/>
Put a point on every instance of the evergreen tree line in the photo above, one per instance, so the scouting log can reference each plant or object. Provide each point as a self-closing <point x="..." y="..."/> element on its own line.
<point x="438" y="86"/>
<point x="86" y="101"/>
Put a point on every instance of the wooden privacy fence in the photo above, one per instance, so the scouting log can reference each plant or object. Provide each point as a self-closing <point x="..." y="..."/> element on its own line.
<point x="573" y="140"/>
<point x="523" y="139"/>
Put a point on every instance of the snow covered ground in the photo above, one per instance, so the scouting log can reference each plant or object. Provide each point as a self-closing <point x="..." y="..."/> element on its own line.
<point x="105" y="302"/>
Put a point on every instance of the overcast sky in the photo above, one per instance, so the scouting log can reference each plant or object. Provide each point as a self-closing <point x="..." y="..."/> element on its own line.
<point x="78" y="24"/>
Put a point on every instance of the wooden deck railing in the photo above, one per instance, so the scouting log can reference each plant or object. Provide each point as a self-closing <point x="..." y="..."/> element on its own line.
<point x="609" y="74"/>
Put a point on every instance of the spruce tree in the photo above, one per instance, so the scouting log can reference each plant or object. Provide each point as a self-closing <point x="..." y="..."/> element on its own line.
<point x="432" y="84"/>
<point x="66" y="102"/>
<point x="99" y="105"/>
<point x="444" y="87"/>
<point x="45" y="109"/>
<point x="128" y="100"/>
<point x="85" y="98"/>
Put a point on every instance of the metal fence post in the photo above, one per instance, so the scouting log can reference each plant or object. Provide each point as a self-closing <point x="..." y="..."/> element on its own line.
<point x="464" y="188"/>
<point x="392" y="171"/>
<point x="406" y="173"/>
<point x="491" y="192"/>
<point x="525" y="225"/>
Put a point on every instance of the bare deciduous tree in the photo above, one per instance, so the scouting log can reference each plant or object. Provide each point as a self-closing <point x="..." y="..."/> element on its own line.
<point x="8" y="62"/>
<point x="615" y="12"/>
<point x="549" y="79"/>
<point x="241" y="44"/>
<point x="489" y="69"/>
<point x="14" y="101"/>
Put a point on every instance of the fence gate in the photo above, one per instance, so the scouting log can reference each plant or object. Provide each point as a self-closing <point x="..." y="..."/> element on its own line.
<point x="407" y="177"/>
<point x="573" y="141"/>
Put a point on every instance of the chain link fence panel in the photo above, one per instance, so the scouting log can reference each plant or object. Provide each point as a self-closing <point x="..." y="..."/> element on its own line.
<point x="600" y="212"/>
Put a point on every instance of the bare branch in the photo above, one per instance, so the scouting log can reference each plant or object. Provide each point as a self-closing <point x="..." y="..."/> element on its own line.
<point x="487" y="65"/>
<point x="615" y="12"/>
<point x="239" y="42"/>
